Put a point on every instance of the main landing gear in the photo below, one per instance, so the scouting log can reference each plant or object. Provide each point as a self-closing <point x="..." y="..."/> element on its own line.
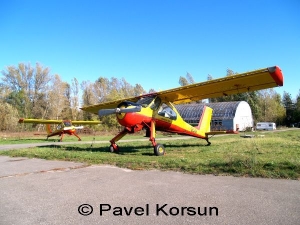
<point x="114" y="148"/>
<point x="208" y="142"/>
<point x="159" y="149"/>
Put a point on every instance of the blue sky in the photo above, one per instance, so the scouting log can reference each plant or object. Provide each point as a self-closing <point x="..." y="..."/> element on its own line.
<point x="152" y="43"/>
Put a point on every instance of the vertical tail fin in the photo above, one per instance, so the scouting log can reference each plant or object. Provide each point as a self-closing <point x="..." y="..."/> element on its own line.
<point x="204" y="123"/>
<point x="48" y="129"/>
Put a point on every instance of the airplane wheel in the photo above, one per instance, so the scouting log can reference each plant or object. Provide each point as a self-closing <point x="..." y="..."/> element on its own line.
<point x="114" y="148"/>
<point x="159" y="150"/>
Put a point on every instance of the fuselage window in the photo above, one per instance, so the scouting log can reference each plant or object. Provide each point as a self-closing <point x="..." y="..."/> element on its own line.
<point x="167" y="111"/>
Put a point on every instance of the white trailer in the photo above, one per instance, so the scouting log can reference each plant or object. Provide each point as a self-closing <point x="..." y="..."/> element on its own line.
<point x="266" y="126"/>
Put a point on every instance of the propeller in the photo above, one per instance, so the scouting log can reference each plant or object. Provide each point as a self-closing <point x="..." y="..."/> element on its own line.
<point x="105" y="112"/>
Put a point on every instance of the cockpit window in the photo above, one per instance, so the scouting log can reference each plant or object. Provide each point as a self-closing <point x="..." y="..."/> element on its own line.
<point x="67" y="123"/>
<point x="145" y="101"/>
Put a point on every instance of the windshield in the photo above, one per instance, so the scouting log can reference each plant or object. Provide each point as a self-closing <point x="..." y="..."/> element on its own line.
<point x="145" y="101"/>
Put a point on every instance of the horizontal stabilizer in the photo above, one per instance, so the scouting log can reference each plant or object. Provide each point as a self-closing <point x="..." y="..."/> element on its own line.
<point x="71" y="128"/>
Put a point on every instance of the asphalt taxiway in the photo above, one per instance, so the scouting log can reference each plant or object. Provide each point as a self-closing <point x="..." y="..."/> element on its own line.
<point x="37" y="191"/>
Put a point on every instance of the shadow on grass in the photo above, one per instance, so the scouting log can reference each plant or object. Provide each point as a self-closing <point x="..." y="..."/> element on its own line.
<point x="124" y="149"/>
<point x="38" y="139"/>
<point x="145" y="150"/>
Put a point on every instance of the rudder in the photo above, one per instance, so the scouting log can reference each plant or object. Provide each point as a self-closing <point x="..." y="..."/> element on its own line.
<point x="204" y="122"/>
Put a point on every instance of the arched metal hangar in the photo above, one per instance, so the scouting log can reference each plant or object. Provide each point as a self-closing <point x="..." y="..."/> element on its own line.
<point x="229" y="116"/>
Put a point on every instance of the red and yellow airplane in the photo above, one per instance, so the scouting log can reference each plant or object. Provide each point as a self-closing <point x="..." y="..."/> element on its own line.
<point x="63" y="127"/>
<point x="156" y="111"/>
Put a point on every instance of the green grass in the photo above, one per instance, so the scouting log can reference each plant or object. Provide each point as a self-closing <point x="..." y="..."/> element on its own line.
<point x="276" y="155"/>
<point x="42" y="138"/>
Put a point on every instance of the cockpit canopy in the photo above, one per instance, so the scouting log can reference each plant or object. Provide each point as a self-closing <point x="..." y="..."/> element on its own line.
<point x="145" y="102"/>
<point x="67" y="123"/>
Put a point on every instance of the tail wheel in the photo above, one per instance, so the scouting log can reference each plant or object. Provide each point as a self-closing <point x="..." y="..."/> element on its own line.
<point x="114" y="148"/>
<point x="159" y="150"/>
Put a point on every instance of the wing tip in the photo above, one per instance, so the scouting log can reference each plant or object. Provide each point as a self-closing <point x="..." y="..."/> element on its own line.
<point x="276" y="74"/>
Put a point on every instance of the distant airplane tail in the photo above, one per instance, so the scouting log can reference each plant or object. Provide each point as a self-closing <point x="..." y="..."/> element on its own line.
<point x="204" y="123"/>
<point x="48" y="129"/>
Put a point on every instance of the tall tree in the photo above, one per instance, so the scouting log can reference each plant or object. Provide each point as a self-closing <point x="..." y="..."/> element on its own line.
<point x="271" y="108"/>
<point x="138" y="90"/>
<point x="209" y="77"/>
<point x="30" y="84"/>
<point x="101" y="89"/>
<point x="183" y="81"/>
<point x="190" y="78"/>
<point x="87" y="98"/>
<point x="17" y="100"/>
<point x="289" y="107"/>
<point x="58" y="99"/>
<point x="8" y="117"/>
<point x="67" y="111"/>
<point x="297" y="116"/>
<point x="75" y="99"/>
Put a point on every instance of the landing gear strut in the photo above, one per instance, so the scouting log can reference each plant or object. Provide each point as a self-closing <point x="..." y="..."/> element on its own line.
<point x="114" y="147"/>
<point x="159" y="149"/>
<point x="208" y="142"/>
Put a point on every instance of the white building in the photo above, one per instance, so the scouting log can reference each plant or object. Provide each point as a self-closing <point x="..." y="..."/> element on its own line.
<point x="230" y="116"/>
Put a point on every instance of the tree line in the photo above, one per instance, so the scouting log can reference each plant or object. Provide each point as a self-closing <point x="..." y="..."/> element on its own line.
<point x="33" y="92"/>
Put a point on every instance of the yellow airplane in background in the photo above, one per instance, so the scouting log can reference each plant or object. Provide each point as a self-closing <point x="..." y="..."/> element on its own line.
<point x="63" y="127"/>
<point x="156" y="111"/>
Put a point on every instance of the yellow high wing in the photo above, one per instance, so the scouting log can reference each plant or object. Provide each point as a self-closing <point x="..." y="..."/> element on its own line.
<point x="42" y="121"/>
<point x="244" y="82"/>
<point x="240" y="83"/>
<point x="22" y="120"/>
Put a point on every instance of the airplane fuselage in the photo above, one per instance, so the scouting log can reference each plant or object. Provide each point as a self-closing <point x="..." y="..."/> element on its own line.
<point x="166" y="119"/>
<point x="70" y="131"/>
